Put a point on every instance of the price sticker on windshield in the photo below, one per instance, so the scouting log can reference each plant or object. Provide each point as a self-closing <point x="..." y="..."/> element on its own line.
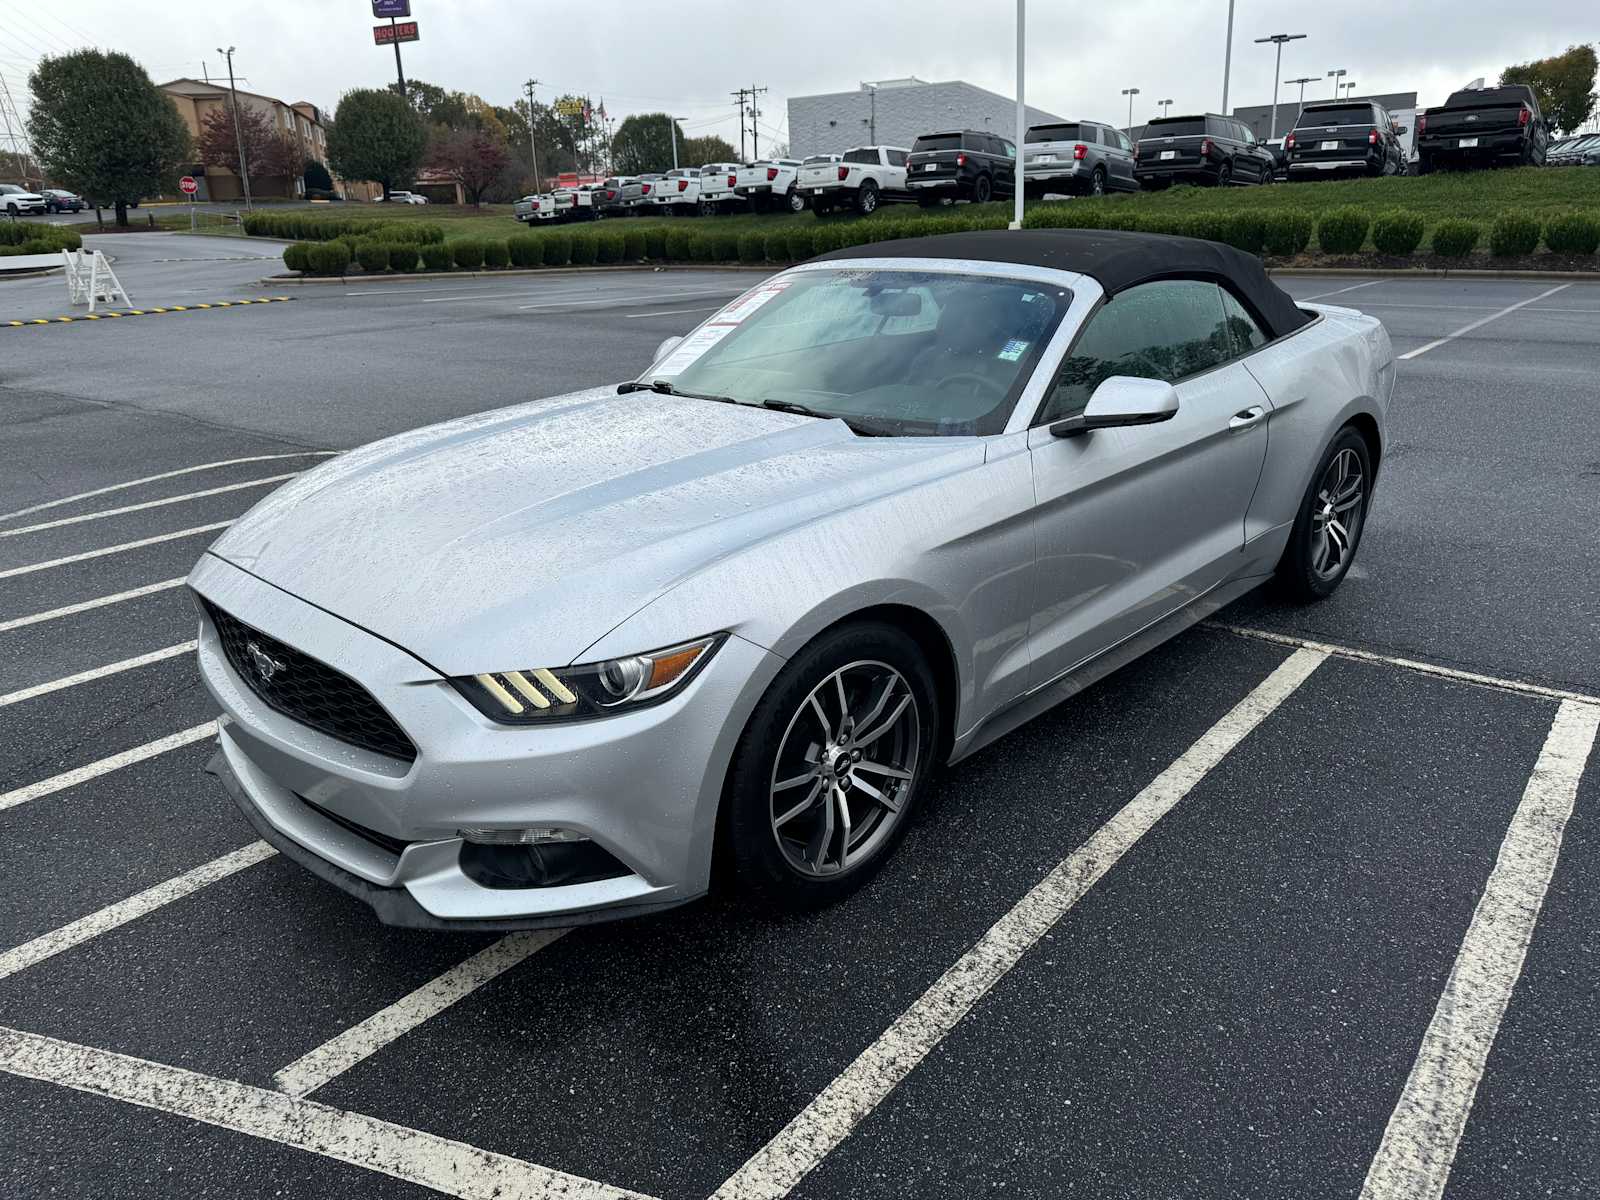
<point x="690" y="349"/>
<point x="748" y="303"/>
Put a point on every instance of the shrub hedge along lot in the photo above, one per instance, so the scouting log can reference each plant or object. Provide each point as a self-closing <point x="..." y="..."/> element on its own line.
<point x="21" y="237"/>
<point x="1515" y="211"/>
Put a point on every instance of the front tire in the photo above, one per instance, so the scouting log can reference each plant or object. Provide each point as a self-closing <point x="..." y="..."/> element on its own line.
<point x="1224" y="175"/>
<point x="982" y="190"/>
<point x="1097" y="182"/>
<point x="830" y="767"/>
<point x="796" y="200"/>
<point x="1327" y="530"/>
<point x="867" y="198"/>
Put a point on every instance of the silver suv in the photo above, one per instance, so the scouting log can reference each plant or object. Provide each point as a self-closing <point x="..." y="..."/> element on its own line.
<point x="1077" y="158"/>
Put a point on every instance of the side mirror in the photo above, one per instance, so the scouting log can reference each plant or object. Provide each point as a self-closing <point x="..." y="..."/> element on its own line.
<point x="1402" y="130"/>
<point x="666" y="348"/>
<point x="1122" y="400"/>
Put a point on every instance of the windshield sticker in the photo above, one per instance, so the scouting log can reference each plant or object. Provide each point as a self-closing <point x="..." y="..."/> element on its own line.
<point x="1014" y="350"/>
<point x="690" y="349"/>
<point x="748" y="303"/>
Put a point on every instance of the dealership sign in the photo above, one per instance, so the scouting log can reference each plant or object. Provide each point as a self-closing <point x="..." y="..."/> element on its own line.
<point x="405" y="31"/>
<point x="391" y="8"/>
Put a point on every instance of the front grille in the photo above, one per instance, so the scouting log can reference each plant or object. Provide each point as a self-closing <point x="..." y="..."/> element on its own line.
<point x="308" y="691"/>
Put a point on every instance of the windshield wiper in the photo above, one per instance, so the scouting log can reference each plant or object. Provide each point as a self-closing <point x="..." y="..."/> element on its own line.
<point x="800" y="410"/>
<point x="665" y="388"/>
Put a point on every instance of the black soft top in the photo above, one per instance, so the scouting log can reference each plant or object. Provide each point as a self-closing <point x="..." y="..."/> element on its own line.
<point x="1114" y="259"/>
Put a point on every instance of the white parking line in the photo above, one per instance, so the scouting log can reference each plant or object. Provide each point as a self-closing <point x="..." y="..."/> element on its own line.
<point x="336" y="1056"/>
<point x="1409" y="664"/>
<point x="104" y="766"/>
<point x="117" y="487"/>
<point x="116" y="668"/>
<point x="1355" y="287"/>
<point x="633" y="299"/>
<point x="1479" y="324"/>
<point x="69" y="610"/>
<point x="12" y="572"/>
<point x="824" y="1123"/>
<point x="161" y="503"/>
<point x="114" y="916"/>
<point x="673" y="312"/>
<point x="448" y="1166"/>
<point x="1419" y="1145"/>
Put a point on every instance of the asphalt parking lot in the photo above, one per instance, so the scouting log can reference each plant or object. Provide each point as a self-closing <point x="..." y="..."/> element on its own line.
<point x="1304" y="904"/>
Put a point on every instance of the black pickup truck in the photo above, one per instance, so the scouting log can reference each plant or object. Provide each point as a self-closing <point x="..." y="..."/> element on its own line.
<point x="1482" y="128"/>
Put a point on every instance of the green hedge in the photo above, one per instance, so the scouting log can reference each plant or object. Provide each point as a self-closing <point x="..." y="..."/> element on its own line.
<point x="1398" y="232"/>
<point x="1573" y="233"/>
<point x="1456" y="239"/>
<point x="1513" y="235"/>
<point x="496" y="253"/>
<point x="632" y="245"/>
<point x="298" y="256"/>
<point x="373" y="257"/>
<point x="655" y="243"/>
<point x="557" y="249"/>
<point x="1343" y="231"/>
<point x="322" y="227"/>
<point x="328" y="258"/>
<point x="468" y="253"/>
<point x="436" y="256"/>
<point x="609" y="246"/>
<point x="1288" y="233"/>
<point x="676" y="248"/>
<point x="525" y="250"/>
<point x="584" y="249"/>
<point x="778" y="246"/>
<point x="55" y="237"/>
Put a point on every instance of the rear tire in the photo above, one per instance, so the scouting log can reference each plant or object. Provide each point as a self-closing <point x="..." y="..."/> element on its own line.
<point x="788" y="846"/>
<point x="867" y="198"/>
<point x="1224" y="174"/>
<point x="982" y="190"/>
<point x="796" y="200"/>
<point x="1097" y="182"/>
<point x="1333" y="514"/>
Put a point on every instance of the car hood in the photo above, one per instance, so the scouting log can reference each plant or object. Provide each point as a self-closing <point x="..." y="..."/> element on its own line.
<point x="518" y="538"/>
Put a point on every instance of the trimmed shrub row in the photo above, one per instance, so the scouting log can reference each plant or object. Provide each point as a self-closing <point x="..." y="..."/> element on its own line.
<point x="1283" y="233"/>
<point x="21" y="237"/>
<point x="322" y="227"/>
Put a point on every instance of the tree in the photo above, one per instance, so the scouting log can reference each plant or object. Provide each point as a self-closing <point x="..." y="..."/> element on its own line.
<point x="472" y="158"/>
<point x="643" y="143"/>
<point x="376" y="135"/>
<point x="102" y="128"/>
<point x="270" y="153"/>
<point x="1564" y="84"/>
<point x="709" y="149"/>
<point x="316" y="176"/>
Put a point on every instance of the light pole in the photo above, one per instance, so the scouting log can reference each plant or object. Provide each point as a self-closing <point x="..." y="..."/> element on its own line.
<point x="1350" y="89"/>
<point x="673" y="123"/>
<point x="1165" y="105"/>
<point x="238" y="133"/>
<point x="1302" y="81"/>
<point x="1018" y="170"/>
<point x="533" y="148"/>
<point x="1227" y="60"/>
<point x="1278" y="39"/>
<point x="1336" y="76"/>
<point x="1130" y="93"/>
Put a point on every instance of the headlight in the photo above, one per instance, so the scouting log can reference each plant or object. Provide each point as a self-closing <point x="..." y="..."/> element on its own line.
<point x="540" y="694"/>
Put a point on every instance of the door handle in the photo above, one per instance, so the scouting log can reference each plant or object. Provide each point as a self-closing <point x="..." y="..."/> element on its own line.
<point x="1247" y="418"/>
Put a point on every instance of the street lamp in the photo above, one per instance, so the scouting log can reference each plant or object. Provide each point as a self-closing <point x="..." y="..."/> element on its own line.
<point x="1350" y="89"/>
<point x="1165" y="104"/>
<point x="1227" y="60"/>
<point x="1018" y="169"/>
<point x="1278" y="39"/>
<point x="238" y="134"/>
<point x="673" y="123"/>
<point x="1302" y="81"/>
<point x="1130" y="93"/>
<point x="1336" y="76"/>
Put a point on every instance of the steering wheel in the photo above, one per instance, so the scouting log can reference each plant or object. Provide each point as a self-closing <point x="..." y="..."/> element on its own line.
<point x="982" y="383"/>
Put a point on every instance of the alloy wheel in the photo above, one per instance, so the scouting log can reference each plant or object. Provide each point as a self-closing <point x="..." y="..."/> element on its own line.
<point x="845" y="769"/>
<point x="1336" y="517"/>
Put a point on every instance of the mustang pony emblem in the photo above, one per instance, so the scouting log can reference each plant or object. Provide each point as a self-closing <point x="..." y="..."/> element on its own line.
<point x="266" y="666"/>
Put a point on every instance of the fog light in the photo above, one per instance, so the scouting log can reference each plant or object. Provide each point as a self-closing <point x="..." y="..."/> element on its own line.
<point x="538" y="835"/>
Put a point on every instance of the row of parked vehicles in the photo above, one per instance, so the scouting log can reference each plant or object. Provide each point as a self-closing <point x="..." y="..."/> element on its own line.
<point x="18" y="201"/>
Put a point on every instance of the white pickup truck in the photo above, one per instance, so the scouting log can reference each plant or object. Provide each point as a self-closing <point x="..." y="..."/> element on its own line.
<point x="770" y="182"/>
<point x="717" y="184"/>
<point x="543" y="207"/>
<point x="862" y="179"/>
<point x="679" y="192"/>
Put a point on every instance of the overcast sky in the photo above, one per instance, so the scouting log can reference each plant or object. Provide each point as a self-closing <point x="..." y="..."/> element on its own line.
<point x="687" y="55"/>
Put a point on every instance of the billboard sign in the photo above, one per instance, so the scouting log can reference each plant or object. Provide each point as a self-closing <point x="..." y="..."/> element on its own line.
<point x="386" y="35"/>
<point x="391" y="8"/>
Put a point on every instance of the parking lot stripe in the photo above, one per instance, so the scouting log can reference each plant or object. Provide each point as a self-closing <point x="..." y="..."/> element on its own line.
<point x="104" y="766"/>
<point x="1355" y="287"/>
<point x="823" y="1124"/>
<point x="132" y="483"/>
<point x="672" y="312"/>
<point x="69" y="610"/>
<point x="1409" y="664"/>
<point x="114" y="916"/>
<point x="1419" y="1145"/>
<point x="147" y="504"/>
<point x="631" y="299"/>
<point x="1479" y="324"/>
<point x="443" y="1164"/>
<point x="337" y="1055"/>
<point x="116" y="668"/>
<point x="12" y="572"/>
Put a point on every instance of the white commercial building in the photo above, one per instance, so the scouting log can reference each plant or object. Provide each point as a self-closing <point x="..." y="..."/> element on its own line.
<point x="893" y="112"/>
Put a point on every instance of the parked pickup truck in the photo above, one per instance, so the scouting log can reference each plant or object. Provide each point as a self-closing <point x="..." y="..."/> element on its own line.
<point x="861" y="179"/>
<point x="527" y="209"/>
<point x="1481" y="128"/>
<point x="718" y="182"/>
<point x="577" y="203"/>
<point x="679" y="192"/>
<point x="770" y="182"/>
<point x="639" y="193"/>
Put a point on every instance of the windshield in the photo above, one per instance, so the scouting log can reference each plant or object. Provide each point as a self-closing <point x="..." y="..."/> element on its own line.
<point x="1176" y="127"/>
<point x="1053" y="133"/>
<point x="891" y="352"/>
<point x="1349" y="114"/>
<point x="938" y="141"/>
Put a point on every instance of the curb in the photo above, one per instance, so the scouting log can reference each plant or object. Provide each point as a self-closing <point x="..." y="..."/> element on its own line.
<point x="518" y="272"/>
<point x="143" y="312"/>
<point x="39" y="274"/>
<point x="1437" y="273"/>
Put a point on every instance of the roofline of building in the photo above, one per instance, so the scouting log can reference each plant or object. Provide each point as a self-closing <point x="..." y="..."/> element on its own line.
<point x="221" y="90"/>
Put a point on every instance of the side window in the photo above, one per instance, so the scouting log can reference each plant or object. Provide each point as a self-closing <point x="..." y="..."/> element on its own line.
<point x="1122" y="140"/>
<point x="1242" y="327"/>
<point x="1008" y="148"/>
<point x="1168" y="330"/>
<point x="897" y="158"/>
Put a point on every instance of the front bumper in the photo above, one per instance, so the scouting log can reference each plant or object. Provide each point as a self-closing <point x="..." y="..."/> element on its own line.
<point x="643" y="786"/>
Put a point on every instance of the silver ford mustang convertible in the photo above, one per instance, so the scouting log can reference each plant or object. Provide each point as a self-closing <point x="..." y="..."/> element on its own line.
<point x="548" y="664"/>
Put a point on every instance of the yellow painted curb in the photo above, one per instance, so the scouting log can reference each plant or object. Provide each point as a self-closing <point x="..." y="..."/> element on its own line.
<point x="144" y="312"/>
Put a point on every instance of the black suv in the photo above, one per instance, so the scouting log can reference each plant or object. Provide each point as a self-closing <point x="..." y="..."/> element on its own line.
<point x="1204" y="149"/>
<point x="966" y="165"/>
<point x="1350" y="136"/>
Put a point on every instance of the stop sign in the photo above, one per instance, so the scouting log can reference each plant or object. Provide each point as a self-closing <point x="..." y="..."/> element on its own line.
<point x="188" y="186"/>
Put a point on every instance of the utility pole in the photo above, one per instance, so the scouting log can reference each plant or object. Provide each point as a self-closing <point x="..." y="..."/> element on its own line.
<point x="238" y="132"/>
<point x="1336" y="76"/>
<point x="533" y="147"/>
<point x="738" y="102"/>
<point x="398" y="69"/>
<point x="1278" y="39"/>
<point x="672" y="129"/>
<point x="755" y="147"/>
<point x="1019" y="174"/>
<point x="872" y="119"/>
<point x="1227" y="60"/>
<point x="1302" y="81"/>
<point x="1130" y="93"/>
